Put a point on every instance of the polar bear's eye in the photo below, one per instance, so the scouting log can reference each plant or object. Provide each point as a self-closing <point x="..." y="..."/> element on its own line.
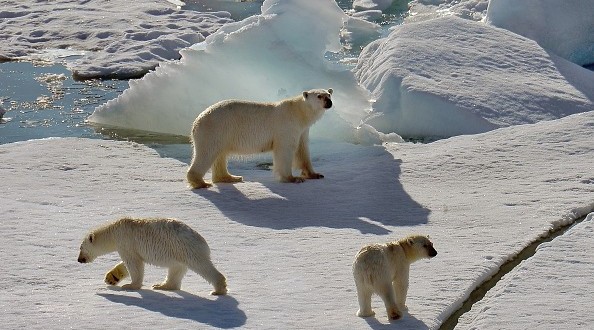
<point x="320" y="97"/>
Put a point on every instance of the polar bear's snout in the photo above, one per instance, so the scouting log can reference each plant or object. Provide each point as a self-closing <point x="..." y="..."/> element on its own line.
<point x="431" y="251"/>
<point x="82" y="259"/>
<point x="327" y="103"/>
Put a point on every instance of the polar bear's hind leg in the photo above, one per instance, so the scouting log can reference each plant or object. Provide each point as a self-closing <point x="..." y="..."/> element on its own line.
<point x="220" y="173"/>
<point x="174" y="278"/>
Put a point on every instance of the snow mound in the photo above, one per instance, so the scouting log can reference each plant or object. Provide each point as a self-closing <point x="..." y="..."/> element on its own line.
<point x="451" y="76"/>
<point x="108" y="42"/>
<point x="263" y="58"/>
<point x="565" y="28"/>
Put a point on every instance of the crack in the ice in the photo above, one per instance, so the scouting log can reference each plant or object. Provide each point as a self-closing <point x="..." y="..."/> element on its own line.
<point x="479" y="292"/>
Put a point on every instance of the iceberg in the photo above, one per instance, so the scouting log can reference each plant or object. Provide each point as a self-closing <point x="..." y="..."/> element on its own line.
<point x="266" y="57"/>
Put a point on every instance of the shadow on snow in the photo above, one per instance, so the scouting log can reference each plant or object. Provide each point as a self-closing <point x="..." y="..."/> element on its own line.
<point x="221" y="313"/>
<point x="407" y="322"/>
<point x="364" y="194"/>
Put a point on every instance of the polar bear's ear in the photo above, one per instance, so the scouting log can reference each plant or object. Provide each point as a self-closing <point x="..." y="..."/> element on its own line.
<point x="91" y="238"/>
<point x="330" y="91"/>
<point x="305" y="95"/>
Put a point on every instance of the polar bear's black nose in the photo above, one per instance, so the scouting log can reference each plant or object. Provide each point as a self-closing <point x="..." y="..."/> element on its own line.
<point x="82" y="260"/>
<point x="328" y="104"/>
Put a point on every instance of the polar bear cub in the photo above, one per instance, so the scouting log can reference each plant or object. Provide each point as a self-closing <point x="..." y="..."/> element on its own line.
<point x="242" y="127"/>
<point x="161" y="242"/>
<point x="383" y="269"/>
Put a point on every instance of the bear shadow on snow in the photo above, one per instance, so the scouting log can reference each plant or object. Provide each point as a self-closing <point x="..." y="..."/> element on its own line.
<point x="406" y="322"/>
<point x="366" y="195"/>
<point x="220" y="313"/>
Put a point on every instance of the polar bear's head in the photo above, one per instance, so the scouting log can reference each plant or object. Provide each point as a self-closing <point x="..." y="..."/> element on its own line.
<point x="319" y="98"/>
<point x="419" y="247"/>
<point x="87" y="249"/>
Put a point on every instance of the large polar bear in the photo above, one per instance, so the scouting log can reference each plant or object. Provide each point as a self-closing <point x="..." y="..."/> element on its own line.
<point x="162" y="242"/>
<point x="384" y="268"/>
<point x="242" y="127"/>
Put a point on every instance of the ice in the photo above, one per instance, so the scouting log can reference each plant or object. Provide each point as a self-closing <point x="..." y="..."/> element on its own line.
<point x="287" y="249"/>
<point x="550" y="290"/>
<point x="422" y="10"/>
<point x="565" y="28"/>
<point x="362" y="5"/>
<point x="97" y="38"/>
<point x="263" y="58"/>
<point x="450" y="76"/>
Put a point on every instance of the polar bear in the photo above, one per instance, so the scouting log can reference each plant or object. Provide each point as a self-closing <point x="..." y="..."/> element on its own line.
<point x="384" y="268"/>
<point x="161" y="242"/>
<point x="242" y="127"/>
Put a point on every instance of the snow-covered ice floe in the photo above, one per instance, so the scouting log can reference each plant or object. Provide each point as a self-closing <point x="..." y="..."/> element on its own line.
<point x="565" y="28"/>
<point x="481" y="198"/>
<point x="102" y="39"/>
<point x="451" y="76"/>
<point x="551" y="290"/>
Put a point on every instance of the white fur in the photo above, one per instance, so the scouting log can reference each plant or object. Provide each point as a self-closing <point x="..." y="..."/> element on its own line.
<point x="242" y="127"/>
<point x="162" y="242"/>
<point x="383" y="269"/>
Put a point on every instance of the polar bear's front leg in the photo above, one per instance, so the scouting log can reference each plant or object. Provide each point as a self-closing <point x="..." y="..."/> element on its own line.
<point x="136" y="269"/>
<point x="116" y="274"/>
<point x="302" y="159"/>
<point x="282" y="159"/>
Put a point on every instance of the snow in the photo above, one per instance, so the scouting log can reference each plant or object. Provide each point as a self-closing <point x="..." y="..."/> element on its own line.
<point x="456" y="70"/>
<point x="107" y="41"/>
<point x="286" y="249"/>
<point x="565" y="28"/>
<point x="565" y="266"/>
<point x="363" y="5"/>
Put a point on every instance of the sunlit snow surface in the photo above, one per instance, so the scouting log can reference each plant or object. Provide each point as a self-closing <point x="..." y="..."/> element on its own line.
<point x="287" y="249"/>
<point x="450" y="76"/>
<point x="102" y="38"/>
<point x="551" y="290"/>
<point x="565" y="28"/>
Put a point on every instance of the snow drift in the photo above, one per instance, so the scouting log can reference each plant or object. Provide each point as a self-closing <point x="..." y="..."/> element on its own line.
<point x="565" y="28"/>
<point x="450" y="76"/>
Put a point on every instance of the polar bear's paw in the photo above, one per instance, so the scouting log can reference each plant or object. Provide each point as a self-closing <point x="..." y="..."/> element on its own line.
<point x="118" y="273"/>
<point x="369" y="313"/>
<point x="166" y="286"/>
<point x="394" y="313"/>
<point x="219" y="292"/>
<point x="132" y="286"/>
<point x="314" y="176"/>
<point x="228" y="178"/>
<point x="294" y="179"/>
